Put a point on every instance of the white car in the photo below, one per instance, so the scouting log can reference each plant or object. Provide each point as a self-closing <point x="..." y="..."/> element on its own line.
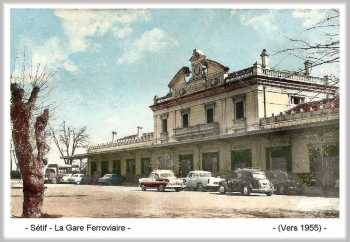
<point x="76" y="178"/>
<point x="202" y="180"/>
<point x="66" y="178"/>
<point x="161" y="180"/>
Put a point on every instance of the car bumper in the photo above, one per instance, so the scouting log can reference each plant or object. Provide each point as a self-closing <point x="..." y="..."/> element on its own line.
<point x="212" y="187"/>
<point x="263" y="190"/>
<point x="175" y="186"/>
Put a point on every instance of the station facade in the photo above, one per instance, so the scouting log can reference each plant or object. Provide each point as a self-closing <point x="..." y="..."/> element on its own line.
<point x="216" y="120"/>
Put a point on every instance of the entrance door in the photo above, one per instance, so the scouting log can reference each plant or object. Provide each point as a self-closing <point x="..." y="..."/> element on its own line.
<point x="279" y="158"/>
<point x="210" y="162"/>
<point x="146" y="168"/>
<point x="186" y="165"/>
<point x="93" y="168"/>
<point x="117" y="167"/>
<point x="104" y="167"/>
<point x="130" y="168"/>
<point x="241" y="159"/>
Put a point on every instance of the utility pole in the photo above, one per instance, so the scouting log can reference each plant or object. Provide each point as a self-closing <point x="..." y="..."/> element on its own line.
<point x="114" y="134"/>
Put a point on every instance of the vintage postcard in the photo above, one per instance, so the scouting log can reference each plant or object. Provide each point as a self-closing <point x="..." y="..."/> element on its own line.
<point x="196" y="122"/>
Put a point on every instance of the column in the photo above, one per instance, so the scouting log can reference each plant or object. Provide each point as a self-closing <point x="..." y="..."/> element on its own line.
<point x="224" y="157"/>
<point x="197" y="165"/>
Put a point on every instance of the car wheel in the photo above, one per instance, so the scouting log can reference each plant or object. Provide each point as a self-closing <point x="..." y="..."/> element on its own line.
<point x="245" y="190"/>
<point x="200" y="187"/>
<point x="161" y="188"/>
<point x="143" y="187"/>
<point x="78" y="183"/>
<point x="178" y="189"/>
<point x="222" y="189"/>
<point x="268" y="193"/>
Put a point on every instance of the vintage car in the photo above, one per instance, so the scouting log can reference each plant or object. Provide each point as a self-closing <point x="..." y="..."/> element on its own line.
<point x="161" y="180"/>
<point x="247" y="181"/>
<point x="284" y="182"/>
<point x="66" y="178"/>
<point x="110" y="179"/>
<point x="202" y="181"/>
<point x="76" y="178"/>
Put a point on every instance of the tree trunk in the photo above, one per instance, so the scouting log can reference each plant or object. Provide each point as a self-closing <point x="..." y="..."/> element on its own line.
<point x="31" y="166"/>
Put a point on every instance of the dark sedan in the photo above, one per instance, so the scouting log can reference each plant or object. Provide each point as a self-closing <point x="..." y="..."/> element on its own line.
<point x="111" y="179"/>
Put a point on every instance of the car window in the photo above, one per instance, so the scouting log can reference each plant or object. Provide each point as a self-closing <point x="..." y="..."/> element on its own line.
<point x="108" y="175"/>
<point x="205" y="174"/>
<point x="166" y="174"/>
<point x="259" y="175"/>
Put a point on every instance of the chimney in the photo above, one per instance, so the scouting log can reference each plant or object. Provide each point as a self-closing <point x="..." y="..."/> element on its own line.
<point x="138" y="131"/>
<point x="307" y="65"/>
<point x="264" y="59"/>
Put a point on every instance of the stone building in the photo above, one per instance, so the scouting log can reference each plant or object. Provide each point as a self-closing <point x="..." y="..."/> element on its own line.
<point x="217" y="120"/>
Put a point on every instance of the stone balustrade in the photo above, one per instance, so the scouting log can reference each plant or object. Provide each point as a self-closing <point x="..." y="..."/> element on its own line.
<point x="196" y="131"/>
<point x="144" y="139"/>
<point x="302" y="117"/>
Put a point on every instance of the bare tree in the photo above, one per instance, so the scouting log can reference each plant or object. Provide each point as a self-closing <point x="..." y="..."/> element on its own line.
<point x="68" y="140"/>
<point x="29" y="120"/>
<point x="323" y="50"/>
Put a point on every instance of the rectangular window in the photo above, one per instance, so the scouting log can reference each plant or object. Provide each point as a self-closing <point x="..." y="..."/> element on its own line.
<point x="164" y="125"/>
<point x="296" y="100"/>
<point x="210" y="115"/>
<point x="239" y="110"/>
<point x="185" y="120"/>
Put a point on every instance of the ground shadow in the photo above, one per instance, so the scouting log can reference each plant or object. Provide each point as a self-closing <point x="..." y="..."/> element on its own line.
<point x="45" y="215"/>
<point x="78" y="195"/>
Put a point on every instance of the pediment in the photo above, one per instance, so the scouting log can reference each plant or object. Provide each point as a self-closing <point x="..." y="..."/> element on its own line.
<point x="180" y="77"/>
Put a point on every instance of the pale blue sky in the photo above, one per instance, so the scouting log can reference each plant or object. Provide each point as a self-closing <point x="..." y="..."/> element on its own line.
<point x="111" y="63"/>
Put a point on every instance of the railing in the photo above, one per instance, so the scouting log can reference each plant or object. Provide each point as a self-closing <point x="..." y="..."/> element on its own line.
<point x="292" y="76"/>
<point x="255" y="70"/>
<point x="237" y="75"/>
<point x="144" y="139"/>
<point x="291" y="119"/>
<point x="163" y="137"/>
<point x="197" y="130"/>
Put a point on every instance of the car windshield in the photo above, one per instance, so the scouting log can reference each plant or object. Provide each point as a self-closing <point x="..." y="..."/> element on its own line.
<point x="259" y="175"/>
<point x="108" y="175"/>
<point x="166" y="174"/>
<point x="205" y="174"/>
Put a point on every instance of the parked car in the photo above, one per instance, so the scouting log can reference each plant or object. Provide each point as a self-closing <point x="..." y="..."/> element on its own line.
<point x="202" y="181"/>
<point x="247" y="181"/>
<point x="284" y="182"/>
<point x="110" y="179"/>
<point x="66" y="178"/>
<point x="76" y="178"/>
<point x="161" y="180"/>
